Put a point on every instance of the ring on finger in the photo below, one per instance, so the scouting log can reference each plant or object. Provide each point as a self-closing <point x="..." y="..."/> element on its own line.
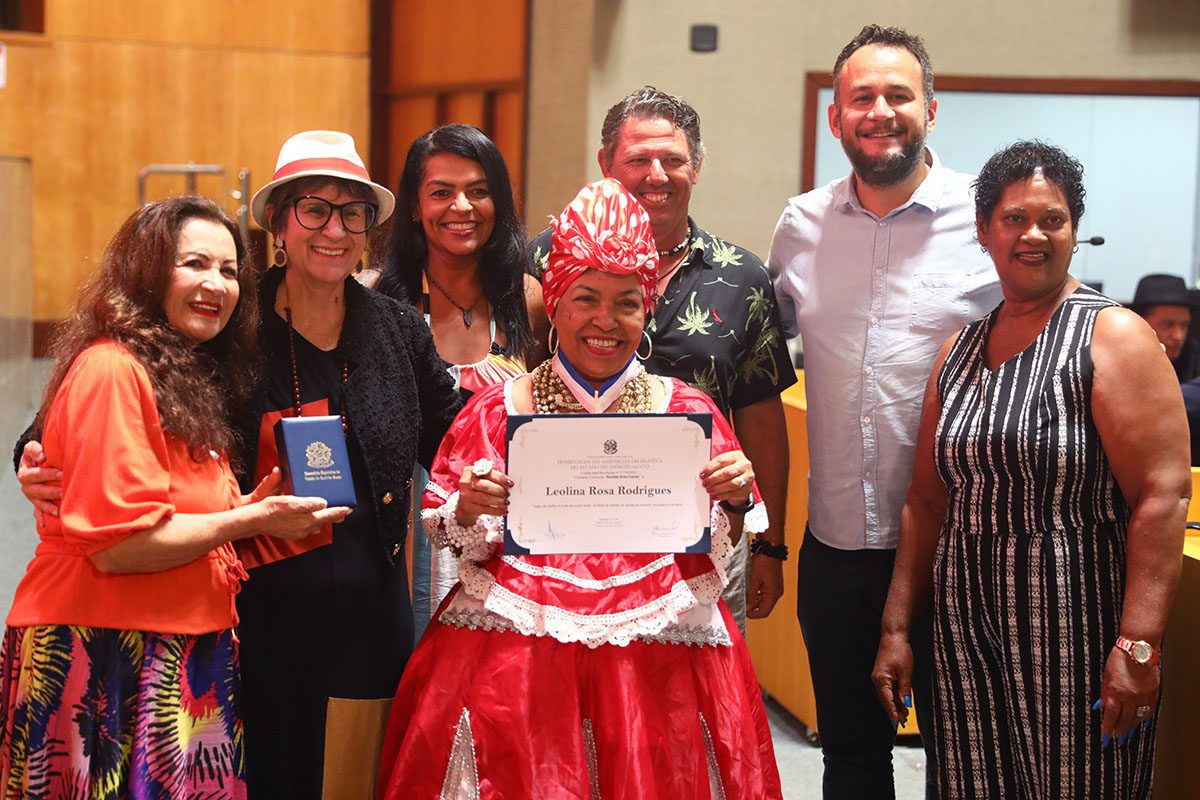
<point x="481" y="468"/>
<point x="739" y="481"/>
<point x="1141" y="711"/>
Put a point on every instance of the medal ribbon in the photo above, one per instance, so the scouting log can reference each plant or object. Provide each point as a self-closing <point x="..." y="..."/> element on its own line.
<point x="597" y="400"/>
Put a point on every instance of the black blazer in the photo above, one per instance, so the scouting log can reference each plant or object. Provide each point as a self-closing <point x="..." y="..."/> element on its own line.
<point x="399" y="398"/>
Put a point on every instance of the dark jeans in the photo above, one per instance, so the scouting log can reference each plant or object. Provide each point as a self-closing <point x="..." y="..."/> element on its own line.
<point x="840" y="599"/>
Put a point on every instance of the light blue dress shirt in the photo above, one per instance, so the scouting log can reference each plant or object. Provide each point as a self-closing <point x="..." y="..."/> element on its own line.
<point x="873" y="300"/>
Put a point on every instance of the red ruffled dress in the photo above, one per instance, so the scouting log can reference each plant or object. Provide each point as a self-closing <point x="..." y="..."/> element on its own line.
<point x="576" y="676"/>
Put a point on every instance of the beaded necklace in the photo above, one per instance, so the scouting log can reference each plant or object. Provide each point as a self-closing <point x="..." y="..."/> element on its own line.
<point x="551" y="395"/>
<point x="287" y="310"/>
<point x="670" y="251"/>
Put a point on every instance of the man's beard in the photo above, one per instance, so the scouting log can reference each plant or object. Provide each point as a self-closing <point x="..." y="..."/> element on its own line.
<point x="886" y="170"/>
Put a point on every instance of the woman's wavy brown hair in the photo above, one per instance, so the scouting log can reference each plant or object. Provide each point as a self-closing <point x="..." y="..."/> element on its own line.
<point x="197" y="388"/>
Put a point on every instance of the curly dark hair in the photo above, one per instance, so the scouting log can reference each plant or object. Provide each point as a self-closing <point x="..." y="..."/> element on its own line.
<point x="650" y="103"/>
<point x="501" y="261"/>
<point x="1018" y="162"/>
<point x="887" y="37"/>
<point x="197" y="388"/>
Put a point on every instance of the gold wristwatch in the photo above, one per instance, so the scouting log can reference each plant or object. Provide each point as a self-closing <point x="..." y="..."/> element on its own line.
<point x="1140" y="651"/>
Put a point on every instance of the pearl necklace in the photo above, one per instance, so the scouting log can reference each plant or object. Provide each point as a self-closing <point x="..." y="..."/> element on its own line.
<point x="551" y="395"/>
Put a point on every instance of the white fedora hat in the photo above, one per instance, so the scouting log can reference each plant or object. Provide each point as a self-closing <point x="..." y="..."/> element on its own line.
<point x="329" y="153"/>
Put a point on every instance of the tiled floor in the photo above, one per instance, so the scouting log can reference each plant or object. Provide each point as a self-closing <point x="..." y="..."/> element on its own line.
<point x="799" y="762"/>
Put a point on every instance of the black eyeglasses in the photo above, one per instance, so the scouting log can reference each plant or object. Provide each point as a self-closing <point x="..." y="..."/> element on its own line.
<point x="313" y="213"/>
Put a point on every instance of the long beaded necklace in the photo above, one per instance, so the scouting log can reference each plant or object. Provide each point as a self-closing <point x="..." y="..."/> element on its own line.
<point x="551" y="395"/>
<point x="287" y="310"/>
<point x="468" y="312"/>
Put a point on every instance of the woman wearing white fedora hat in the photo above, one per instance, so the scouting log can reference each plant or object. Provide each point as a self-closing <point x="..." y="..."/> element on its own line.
<point x="326" y="622"/>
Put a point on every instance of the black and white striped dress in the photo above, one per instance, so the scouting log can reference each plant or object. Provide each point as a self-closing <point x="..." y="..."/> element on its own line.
<point x="1030" y="572"/>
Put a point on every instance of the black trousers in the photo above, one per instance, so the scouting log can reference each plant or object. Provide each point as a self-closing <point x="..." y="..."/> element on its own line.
<point x="840" y="600"/>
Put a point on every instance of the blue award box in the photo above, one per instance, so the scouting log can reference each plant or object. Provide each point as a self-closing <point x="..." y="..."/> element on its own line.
<point x="314" y="460"/>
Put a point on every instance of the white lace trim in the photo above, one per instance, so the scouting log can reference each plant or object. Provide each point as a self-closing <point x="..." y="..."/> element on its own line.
<point x="755" y="520"/>
<point x="438" y="490"/>
<point x="478" y="542"/>
<point x="467" y="612"/>
<point x="722" y="548"/>
<point x="624" y="579"/>
<point x="536" y="619"/>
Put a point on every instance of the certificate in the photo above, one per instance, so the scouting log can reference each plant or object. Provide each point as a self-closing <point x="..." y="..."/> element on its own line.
<point x="608" y="483"/>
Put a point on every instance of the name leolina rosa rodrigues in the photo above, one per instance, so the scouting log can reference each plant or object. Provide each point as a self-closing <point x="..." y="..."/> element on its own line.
<point x="619" y="491"/>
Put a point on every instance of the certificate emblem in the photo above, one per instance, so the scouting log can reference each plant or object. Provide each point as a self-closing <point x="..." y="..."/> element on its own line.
<point x="319" y="455"/>
<point x="610" y="447"/>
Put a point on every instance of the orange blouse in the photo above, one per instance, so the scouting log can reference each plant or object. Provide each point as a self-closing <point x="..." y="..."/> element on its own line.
<point x="121" y="475"/>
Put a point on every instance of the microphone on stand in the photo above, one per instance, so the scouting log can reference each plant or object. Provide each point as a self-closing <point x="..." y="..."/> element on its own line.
<point x="1095" y="241"/>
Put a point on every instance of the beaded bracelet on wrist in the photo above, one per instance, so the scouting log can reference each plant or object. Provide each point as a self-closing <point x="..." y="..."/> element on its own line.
<point x="768" y="549"/>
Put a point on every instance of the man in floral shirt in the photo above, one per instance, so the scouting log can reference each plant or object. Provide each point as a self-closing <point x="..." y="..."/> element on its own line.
<point x="715" y="324"/>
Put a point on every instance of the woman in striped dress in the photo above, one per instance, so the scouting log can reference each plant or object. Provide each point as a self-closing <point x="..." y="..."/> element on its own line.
<point x="1045" y="517"/>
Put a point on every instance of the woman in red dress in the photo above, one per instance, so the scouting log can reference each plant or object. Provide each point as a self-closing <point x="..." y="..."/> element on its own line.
<point x="617" y="675"/>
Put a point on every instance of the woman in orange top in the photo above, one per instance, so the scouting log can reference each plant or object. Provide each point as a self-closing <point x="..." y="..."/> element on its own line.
<point x="118" y="668"/>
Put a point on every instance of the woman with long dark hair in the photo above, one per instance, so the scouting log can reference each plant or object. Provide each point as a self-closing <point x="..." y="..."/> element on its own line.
<point x="458" y="254"/>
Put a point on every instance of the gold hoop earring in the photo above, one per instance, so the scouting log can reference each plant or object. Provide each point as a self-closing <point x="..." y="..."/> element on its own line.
<point x="279" y="259"/>
<point x="649" y="347"/>
<point x="552" y="340"/>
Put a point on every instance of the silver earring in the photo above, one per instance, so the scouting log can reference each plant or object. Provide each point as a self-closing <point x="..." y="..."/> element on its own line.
<point x="649" y="347"/>
<point x="552" y="340"/>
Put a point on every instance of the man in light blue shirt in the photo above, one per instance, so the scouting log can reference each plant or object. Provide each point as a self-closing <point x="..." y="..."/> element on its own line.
<point x="878" y="270"/>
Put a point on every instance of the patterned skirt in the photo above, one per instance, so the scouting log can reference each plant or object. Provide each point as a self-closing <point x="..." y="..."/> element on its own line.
<point x="102" y="713"/>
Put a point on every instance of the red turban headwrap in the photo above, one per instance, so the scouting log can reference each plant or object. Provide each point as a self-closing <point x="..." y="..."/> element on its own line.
<point x="604" y="228"/>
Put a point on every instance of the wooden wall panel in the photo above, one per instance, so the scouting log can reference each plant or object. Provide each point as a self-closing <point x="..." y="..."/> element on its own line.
<point x="466" y="106"/>
<point x="467" y="68"/>
<point x="562" y="144"/>
<point x="93" y="107"/>
<point x="408" y="118"/>
<point x="481" y="42"/>
<point x="509" y="126"/>
<point x="16" y="254"/>
<point x="319" y="26"/>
